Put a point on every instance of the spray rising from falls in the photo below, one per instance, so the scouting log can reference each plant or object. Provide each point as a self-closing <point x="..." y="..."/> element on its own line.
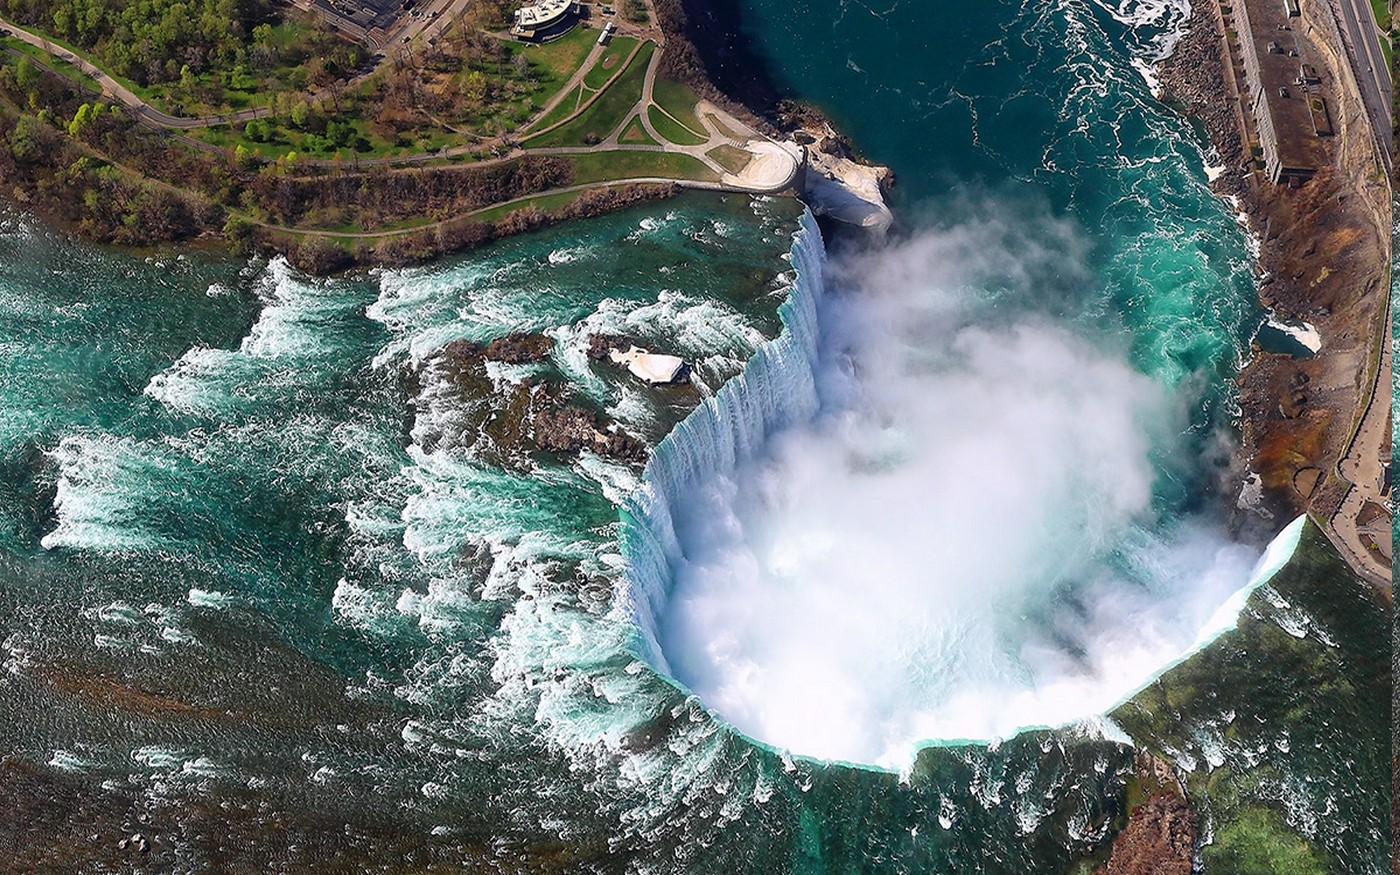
<point x="922" y="514"/>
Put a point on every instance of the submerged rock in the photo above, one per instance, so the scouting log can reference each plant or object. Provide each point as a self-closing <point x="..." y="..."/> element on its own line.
<point x="519" y="348"/>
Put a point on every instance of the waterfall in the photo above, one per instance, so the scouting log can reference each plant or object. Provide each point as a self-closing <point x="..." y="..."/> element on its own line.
<point x="776" y="388"/>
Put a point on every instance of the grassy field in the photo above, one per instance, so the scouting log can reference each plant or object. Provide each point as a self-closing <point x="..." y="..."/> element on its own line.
<point x="731" y="158"/>
<point x="562" y="57"/>
<point x="607" y="65"/>
<point x="567" y="107"/>
<point x="678" y="101"/>
<point x="603" y="166"/>
<point x="671" y="129"/>
<point x="1382" y="13"/>
<point x="607" y="111"/>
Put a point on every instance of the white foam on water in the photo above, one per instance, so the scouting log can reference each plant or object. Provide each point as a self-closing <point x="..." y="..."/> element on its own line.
<point x="210" y="599"/>
<point x="203" y="380"/>
<point x="98" y="498"/>
<point x="1304" y="333"/>
<point x="961" y="549"/>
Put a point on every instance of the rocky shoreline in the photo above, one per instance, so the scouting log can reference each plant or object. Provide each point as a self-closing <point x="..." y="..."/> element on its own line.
<point x="1322" y="256"/>
<point x="1288" y="405"/>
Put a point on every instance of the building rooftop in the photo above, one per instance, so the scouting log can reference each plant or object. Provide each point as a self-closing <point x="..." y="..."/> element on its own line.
<point x="1269" y="27"/>
<point x="542" y="13"/>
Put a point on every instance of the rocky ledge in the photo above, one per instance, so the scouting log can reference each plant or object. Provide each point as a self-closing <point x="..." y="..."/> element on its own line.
<point x="455" y="402"/>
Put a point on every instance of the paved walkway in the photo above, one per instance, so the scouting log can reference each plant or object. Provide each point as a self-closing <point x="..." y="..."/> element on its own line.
<point x="1362" y="466"/>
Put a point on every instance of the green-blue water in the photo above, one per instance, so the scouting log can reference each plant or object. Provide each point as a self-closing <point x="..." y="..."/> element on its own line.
<point x="230" y="570"/>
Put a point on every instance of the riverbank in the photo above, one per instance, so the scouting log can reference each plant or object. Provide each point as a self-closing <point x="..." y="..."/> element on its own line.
<point x="1311" y="437"/>
<point x="600" y="131"/>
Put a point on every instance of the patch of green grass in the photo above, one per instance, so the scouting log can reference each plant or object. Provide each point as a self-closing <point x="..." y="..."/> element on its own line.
<point x="607" y="111"/>
<point x="567" y="107"/>
<point x="1382" y="11"/>
<point x="731" y="158"/>
<point x="723" y="128"/>
<point x="58" y="65"/>
<point x="636" y="132"/>
<point x="672" y="129"/>
<point x="678" y="101"/>
<point x="630" y="164"/>
<point x="607" y="66"/>
<point x="544" y="203"/>
<point x="561" y="57"/>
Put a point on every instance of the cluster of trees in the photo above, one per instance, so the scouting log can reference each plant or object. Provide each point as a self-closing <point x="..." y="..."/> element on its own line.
<point x="382" y="196"/>
<point x="71" y="156"/>
<point x="151" y="40"/>
<point x="101" y="202"/>
<point x="323" y="133"/>
<point x="195" y="48"/>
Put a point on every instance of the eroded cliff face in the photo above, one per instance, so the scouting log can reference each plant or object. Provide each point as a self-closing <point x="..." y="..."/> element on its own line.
<point x="1313" y="430"/>
<point x="837" y="186"/>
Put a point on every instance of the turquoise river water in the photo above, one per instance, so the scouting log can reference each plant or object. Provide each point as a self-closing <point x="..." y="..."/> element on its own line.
<point x="927" y="517"/>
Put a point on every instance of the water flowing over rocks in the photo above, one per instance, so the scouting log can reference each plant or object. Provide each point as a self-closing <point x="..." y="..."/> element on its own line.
<point x="454" y="402"/>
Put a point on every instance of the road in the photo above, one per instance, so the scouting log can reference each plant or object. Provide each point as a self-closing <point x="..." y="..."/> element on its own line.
<point x="1361" y="40"/>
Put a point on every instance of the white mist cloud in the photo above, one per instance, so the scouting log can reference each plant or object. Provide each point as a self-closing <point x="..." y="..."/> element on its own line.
<point x="964" y="543"/>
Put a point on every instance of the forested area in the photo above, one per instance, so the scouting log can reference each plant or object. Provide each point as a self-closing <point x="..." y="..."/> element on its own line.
<point x="75" y="160"/>
<point x="214" y="53"/>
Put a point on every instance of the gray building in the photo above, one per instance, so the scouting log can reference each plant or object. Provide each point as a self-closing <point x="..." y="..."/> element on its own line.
<point x="1289" y="113"/>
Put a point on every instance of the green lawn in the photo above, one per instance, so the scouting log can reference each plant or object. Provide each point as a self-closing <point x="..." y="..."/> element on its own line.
<point x="606" y="66"/>
<point x="626" y="164"/>
<point x="671" y="129"/>
<point x="607" y="111"/>
<point x="544" y="203"/>
<point x="562" y="57"/>
<point x="567" y="107"/>
<point x="1382" y="11"/>
<point x="679" y="101"/>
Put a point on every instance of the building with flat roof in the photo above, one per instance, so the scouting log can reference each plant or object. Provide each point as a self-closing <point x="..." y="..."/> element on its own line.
<point x="545" y="20"/>
<point x="1283" y="93"/>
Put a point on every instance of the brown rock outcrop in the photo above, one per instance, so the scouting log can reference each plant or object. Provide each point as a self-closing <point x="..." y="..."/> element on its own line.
<point x="1160" y="839"/>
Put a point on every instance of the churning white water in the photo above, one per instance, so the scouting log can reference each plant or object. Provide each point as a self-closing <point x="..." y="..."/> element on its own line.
<point x="922" y="515"/>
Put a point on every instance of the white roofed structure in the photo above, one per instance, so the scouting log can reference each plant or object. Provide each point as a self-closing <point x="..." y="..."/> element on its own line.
<point x="544" y="19"/>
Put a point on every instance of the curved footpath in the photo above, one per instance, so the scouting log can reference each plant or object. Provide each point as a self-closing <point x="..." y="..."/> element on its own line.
<point x="772" y="168"/>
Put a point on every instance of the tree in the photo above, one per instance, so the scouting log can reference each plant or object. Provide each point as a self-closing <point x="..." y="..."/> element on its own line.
<point x="26" y="74"/>
<point x="81" y="120"/>
<point x="474" y="87"/>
